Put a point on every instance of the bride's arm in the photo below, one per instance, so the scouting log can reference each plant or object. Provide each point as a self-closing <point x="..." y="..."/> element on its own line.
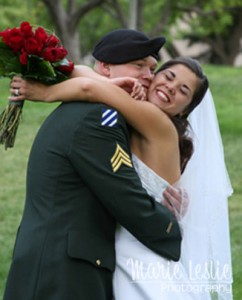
<point x="145" y="117"/>
<point x="85" y="71"/>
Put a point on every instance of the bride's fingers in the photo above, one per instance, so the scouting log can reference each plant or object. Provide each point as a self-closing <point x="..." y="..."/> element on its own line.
<point x="16" y="83"/>
<point x="138" y="92"/>
<point x="16" y="94"/>
<point x="135" y="88"/>
<point x="16" y="80"/>
<point x="15" y="86"/>
<point x="16" y="98"/>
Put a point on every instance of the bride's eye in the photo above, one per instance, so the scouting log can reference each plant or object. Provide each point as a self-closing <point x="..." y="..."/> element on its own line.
<point x="184" y="91"/>
<point x="169" y="76"/>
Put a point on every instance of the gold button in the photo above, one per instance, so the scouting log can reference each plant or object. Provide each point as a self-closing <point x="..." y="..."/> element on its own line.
<point x="98" y="262"/>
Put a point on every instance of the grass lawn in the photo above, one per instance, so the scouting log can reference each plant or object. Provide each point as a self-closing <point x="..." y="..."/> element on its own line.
<point x="225" y="83"/>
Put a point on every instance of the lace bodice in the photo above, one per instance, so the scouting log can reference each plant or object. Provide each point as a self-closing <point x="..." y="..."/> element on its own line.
<point x="154" y="184"/>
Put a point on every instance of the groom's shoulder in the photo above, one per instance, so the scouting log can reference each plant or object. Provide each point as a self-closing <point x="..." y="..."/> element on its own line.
<point x="108" y="116"/>
<point x="94" y="115"/>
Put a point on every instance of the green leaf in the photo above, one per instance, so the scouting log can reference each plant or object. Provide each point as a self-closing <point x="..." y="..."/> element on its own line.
<point x="39" y="69"/>
<point x="9" y="62"/>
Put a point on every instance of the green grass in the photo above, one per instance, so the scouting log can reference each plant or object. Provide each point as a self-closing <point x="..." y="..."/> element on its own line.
<point x="12" y="177"/>
<point x="225" y="83"/>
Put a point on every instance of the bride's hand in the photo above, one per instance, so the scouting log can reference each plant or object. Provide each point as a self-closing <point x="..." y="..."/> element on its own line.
<point x="22" y="89"/>
<point x="138" y="91"/>
<point x="131" y="86"/>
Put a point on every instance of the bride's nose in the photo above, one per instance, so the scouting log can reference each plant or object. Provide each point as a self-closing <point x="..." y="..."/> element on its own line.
<point x="171" y="88"/>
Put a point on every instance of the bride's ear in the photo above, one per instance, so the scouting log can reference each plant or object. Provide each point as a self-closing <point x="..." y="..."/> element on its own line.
<point x="184" y="113"/>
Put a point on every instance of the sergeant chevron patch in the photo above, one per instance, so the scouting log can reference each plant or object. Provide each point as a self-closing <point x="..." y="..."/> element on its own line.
<point x="120" y="157"/>
<point x="109" y="117"/>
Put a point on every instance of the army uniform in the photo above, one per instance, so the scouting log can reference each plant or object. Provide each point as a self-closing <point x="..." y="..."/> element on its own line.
<point x="80" y="183"/>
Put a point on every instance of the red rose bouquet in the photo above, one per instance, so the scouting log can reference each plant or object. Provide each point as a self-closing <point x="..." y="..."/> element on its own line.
<point x="35" y="54"/>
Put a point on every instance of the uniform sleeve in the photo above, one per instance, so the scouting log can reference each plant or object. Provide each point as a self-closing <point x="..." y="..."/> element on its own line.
<point x="101" y="155"/>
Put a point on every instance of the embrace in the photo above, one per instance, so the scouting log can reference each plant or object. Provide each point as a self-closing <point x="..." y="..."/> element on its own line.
<point x="105" y="197"/>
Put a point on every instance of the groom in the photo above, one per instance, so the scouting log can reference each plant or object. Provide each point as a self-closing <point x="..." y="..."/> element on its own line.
<point x="80" y="183"/>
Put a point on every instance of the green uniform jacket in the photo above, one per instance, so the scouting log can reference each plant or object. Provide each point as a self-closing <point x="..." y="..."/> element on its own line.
<point x="80" y="183"/>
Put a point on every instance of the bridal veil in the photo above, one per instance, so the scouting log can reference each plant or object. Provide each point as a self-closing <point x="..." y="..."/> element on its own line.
<point x="206" y="250"/>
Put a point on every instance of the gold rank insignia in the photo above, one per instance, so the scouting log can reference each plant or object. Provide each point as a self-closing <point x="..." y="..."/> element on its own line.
<point x="120" y="157"/>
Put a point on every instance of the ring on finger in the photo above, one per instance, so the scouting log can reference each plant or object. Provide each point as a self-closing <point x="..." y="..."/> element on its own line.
<point x="16" y="92"/>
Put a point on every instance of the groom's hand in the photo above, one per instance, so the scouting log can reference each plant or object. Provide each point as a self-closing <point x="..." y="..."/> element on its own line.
<point x="176" y="200"/>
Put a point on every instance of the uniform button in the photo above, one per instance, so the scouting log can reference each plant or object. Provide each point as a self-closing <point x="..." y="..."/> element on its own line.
<point x="98" y="262"/>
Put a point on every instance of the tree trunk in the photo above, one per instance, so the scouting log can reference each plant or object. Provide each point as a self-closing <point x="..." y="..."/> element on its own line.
<point x="172" y="50"/>
<point x="225" y="48"/>
<point x="232" y="46"/>
<point x="133" y="14"/>
<point x="136" y="15"/>
<point x="67" y="21"/>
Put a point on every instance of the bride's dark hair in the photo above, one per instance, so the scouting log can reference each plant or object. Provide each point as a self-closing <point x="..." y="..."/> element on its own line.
<point x="180" y="121"/>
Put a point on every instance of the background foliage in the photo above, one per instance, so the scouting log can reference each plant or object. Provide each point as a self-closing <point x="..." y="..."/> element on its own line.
<point x="215" y="24"/>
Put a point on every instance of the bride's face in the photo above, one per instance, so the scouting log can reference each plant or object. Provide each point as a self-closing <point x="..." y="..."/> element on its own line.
<point x="172" y="89"/>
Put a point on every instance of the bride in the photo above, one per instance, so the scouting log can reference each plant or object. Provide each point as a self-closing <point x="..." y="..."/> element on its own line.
<point x="161" y="152"/>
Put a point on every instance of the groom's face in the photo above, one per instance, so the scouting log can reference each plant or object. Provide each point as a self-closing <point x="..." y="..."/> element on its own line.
<point x="142" y="69"/>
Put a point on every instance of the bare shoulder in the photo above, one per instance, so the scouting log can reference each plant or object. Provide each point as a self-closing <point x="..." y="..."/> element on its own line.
<point x="159" y="123"/>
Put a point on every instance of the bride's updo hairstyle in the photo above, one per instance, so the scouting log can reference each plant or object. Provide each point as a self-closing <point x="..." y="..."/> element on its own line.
<point x="180" y="120"/>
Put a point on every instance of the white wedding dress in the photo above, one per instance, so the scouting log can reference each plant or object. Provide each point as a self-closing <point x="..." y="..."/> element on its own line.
<point x="140" y="273"/>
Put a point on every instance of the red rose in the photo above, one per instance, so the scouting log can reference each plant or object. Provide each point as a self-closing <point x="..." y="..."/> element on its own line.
<point x="32" y="46"/>
<point x="26" y="29"/>
<point x="23" y="58"/>
<point x="52" y="41"/>
<point x="54" y="54"/>
<point x="5" y="34"/>
<point x="66" y="68"/>
<point x="49" y="54"/>
<point x="13" y="38"/>
<point x="41" y="36"/>
<point x="61" y="52"/>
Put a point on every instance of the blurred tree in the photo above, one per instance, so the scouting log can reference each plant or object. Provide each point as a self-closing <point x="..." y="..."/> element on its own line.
<point x="13" y="12"/>
<point x="80" y="23"/>
<point x="66" y="17"/>
<point x="216" y="23"/>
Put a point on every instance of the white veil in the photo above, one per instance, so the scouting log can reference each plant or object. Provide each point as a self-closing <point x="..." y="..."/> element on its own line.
<point x="206" y="243"/>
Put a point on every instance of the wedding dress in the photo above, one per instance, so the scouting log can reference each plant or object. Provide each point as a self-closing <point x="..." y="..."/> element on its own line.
<point x="204" y="271"/>
<point x="141" y="273"/>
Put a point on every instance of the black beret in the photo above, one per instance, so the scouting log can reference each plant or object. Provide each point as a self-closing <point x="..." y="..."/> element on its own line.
<point x="124" y="45"/>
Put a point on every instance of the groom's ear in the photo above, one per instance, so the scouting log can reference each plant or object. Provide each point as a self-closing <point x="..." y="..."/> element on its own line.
<point x="104" y="68"/>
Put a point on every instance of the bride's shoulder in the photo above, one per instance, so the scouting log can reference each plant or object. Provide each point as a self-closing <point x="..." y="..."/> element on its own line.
<point x="163" y="122"/>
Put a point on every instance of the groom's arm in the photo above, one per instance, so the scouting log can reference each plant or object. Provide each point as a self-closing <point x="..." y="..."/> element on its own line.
<point x="102" y="157"/>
